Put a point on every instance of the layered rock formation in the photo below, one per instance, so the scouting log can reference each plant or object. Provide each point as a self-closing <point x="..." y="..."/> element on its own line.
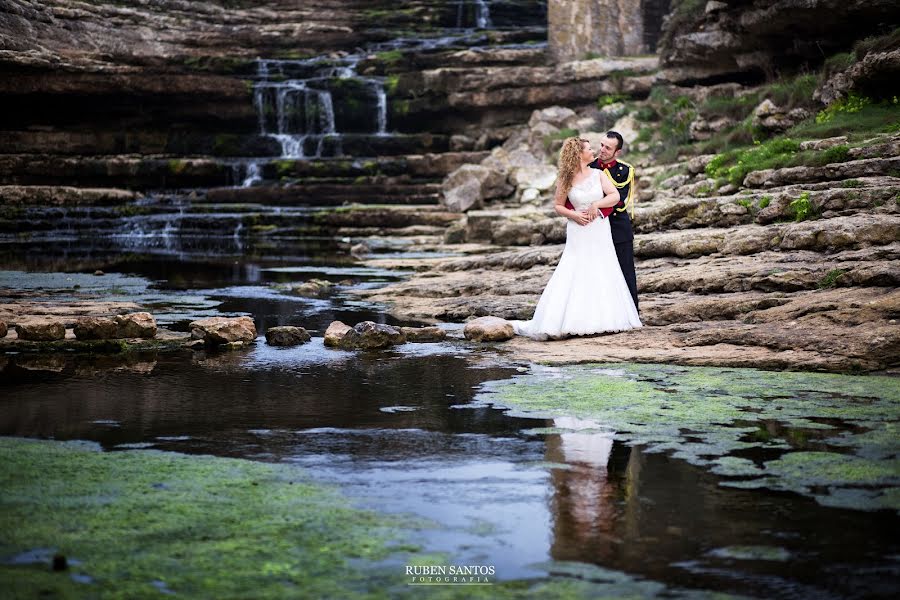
<point x="750" y="40"/>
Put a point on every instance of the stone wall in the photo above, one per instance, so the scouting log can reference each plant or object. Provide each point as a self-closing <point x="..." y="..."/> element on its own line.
<point x="579" y="29"/>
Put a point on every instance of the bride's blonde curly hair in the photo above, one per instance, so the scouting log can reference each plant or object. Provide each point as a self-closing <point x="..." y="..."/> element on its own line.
<point x="569" y="162"/>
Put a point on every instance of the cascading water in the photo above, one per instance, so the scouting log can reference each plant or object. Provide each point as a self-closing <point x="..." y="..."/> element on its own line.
<point x="295" y="106"/>
<point x="482" y="14"/>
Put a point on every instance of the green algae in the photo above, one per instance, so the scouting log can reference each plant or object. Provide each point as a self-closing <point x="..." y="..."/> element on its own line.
<point x="204" y="526"/>
<point x="713" y="417"/>
<point x="147" y="524"/>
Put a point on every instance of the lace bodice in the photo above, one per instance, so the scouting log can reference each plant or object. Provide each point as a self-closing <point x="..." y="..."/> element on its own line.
<point x="586" y="191"/>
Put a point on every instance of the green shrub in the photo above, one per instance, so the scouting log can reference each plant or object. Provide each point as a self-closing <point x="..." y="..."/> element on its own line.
<point x="608" y="99"/>
<point x="802" y="208"/>
<point x="734" y="165"/>
<point x="853" y="103"/>
<point x="852" y="183"/>
<point x="831" y="278"/>
<point x="837" y="154"/>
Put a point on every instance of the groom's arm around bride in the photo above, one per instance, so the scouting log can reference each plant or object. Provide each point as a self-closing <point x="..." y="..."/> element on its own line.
<point x="622" y="175"/>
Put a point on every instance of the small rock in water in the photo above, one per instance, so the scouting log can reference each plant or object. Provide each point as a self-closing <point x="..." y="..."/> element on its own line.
<point x="335" y="332"/>
<point x="286" y="336"/>
<point x="424" y="334"/>
<point x="488" y="329"/>
<point x="60" y="563"/>
<point x="312" y="288"/>
<point x="369" y="335"/>
<point x="98" y="272"/>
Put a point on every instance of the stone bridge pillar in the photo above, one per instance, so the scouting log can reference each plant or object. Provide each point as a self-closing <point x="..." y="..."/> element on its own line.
<point x="578" y="29"/>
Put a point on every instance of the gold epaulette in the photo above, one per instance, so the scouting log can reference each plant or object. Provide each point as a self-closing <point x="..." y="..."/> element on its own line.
<point x="629" y="200"/>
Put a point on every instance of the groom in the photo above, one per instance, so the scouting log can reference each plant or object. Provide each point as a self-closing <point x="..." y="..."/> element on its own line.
<point x="622" y="175"/>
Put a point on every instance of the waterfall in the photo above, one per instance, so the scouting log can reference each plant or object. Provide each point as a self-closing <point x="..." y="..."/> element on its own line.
<point x="482" y="14"/>
<point x="253" y="176"/>
<point x="295" y="107"/>
<point x="382" y="109"/>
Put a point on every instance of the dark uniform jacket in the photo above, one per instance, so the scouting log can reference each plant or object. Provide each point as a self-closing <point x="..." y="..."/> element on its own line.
<point x="622" y="175"/>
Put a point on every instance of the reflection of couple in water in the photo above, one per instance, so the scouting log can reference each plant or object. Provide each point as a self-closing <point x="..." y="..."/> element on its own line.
<point x="593" y="288"/>
<point x="594" y="494"/>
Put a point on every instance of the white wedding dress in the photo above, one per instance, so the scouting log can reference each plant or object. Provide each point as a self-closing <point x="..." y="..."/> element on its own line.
<point x="587" y="293"/>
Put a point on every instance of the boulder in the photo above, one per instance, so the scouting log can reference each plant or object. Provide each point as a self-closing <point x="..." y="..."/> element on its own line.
<point x="424" y="334"/>
<point x="224" y="330"/>
<point x="771" y="118"/>
<point x="136" y="325"/>
<point x="96" y="328"/>
<point x="554" y="115"/>
<point x="286" y="336"/>
<point x="698" y="163"/>
<point x="335" y="332"/>
<point x="369" y="335"/>
<point x="312" y="288"/>
<point x="3" y="329"/>
<point x="470" y="185"/>
<point x="488" y="329"/>
<point x="41" y="330"/>
<point x="539" y="177"/>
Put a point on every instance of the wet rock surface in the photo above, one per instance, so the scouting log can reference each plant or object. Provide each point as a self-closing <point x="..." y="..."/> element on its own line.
<point x="368" y="335"/>
<point x="224" y="330"/>
<point x="732" y="279"/>
<point x="286" y="335"/>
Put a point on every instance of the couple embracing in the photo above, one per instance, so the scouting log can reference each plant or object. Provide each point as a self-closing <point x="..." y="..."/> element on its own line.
<point x="593" y="288"/>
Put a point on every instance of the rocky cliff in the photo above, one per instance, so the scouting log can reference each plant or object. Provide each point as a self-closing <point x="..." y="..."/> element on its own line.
<point x="754" y="40"/>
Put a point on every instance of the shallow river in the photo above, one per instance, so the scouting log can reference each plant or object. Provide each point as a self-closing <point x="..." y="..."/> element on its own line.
<point x="414" y="431"/>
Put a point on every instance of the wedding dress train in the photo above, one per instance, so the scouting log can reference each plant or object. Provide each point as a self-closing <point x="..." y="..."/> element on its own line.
<point x="587" y="293"/>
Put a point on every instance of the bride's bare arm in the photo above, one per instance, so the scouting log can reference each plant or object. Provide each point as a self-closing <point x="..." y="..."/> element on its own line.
<point x="559" y="205"/>
<point x="611" y="193"/>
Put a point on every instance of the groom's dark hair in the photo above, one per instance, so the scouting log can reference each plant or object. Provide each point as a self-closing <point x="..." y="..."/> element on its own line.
<point x="620" y="141"/>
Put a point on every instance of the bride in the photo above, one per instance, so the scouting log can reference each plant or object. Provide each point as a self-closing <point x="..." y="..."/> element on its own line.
<point x="587" y="293"/>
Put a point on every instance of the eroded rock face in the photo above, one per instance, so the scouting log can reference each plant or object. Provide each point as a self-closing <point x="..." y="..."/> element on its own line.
<point x="41" y="330"/>
<point x="136" y="325"/>
<point x="488" y="329"/>
<point x="224" y="330"/>
<point x="368" y="335"/>
<point x="287" y="336"/>
<point x="754" y="39"/>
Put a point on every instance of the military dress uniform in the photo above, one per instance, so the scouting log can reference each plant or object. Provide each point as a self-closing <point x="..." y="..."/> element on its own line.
<point x="622" y="176"/>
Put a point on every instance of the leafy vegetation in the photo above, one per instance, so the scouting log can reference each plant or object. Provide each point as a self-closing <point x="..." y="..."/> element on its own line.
<point x="831" y="278"/>
<point x="802" y="208"/>
<point x="608" y="99"/>
<point x="733" y="166"/>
